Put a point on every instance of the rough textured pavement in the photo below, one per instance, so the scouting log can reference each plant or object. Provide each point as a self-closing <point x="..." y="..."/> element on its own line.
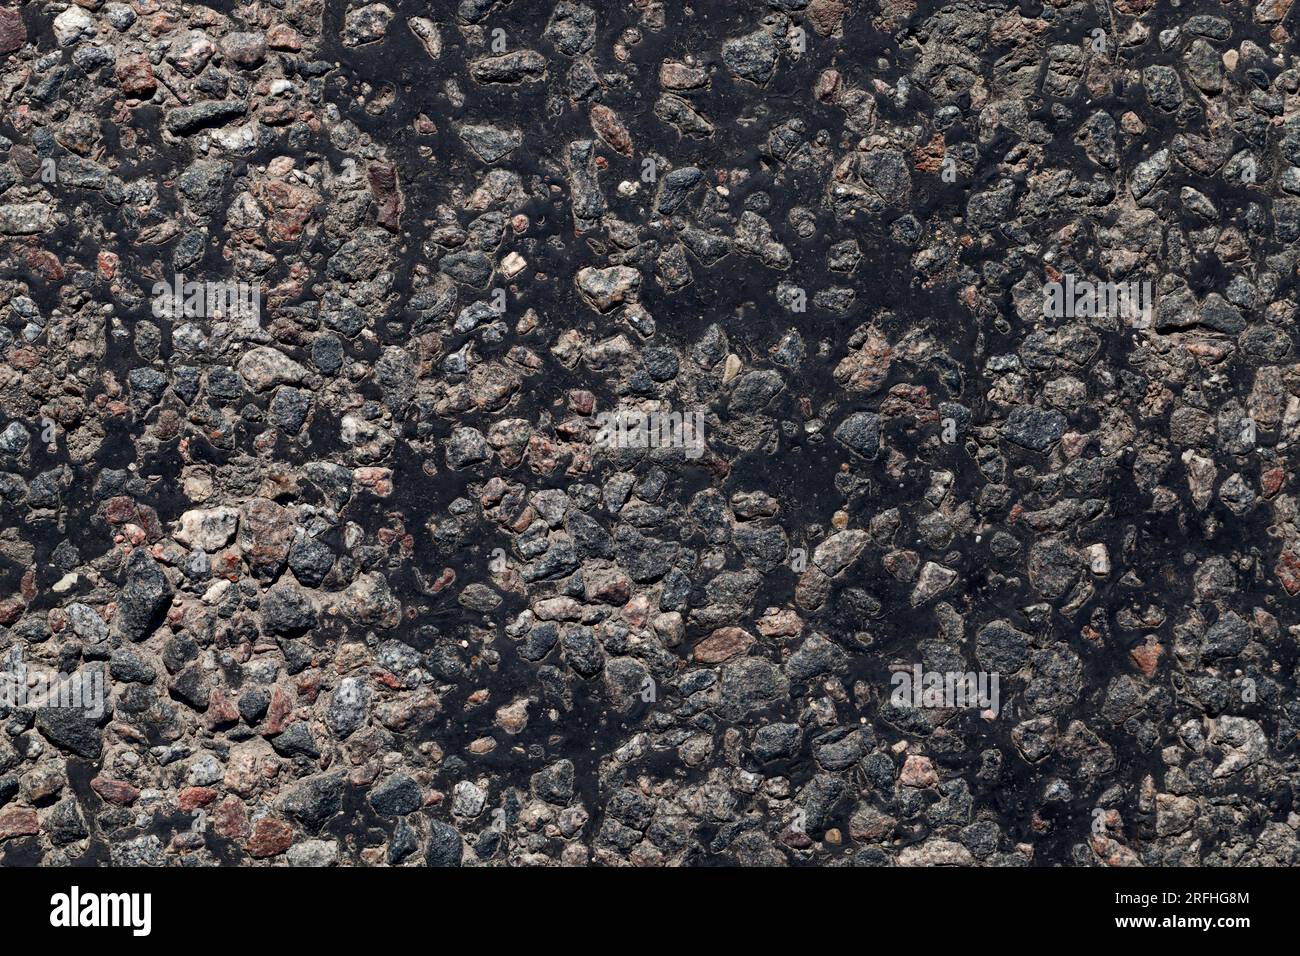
<point x="809" y="432"/>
